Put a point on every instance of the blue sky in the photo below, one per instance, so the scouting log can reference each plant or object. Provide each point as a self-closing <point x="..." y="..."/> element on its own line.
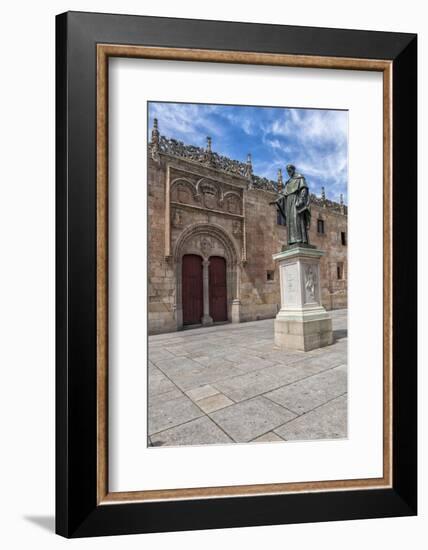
<point x="314" y="140"/>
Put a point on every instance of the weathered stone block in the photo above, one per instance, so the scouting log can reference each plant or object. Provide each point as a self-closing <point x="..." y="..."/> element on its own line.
<point x="303" y="336"/>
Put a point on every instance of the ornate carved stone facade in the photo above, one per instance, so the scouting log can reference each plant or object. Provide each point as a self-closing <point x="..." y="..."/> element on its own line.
<point x="205" y="205"/>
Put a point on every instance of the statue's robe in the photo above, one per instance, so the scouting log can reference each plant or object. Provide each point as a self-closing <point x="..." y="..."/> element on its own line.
<point x="294" y="204"/>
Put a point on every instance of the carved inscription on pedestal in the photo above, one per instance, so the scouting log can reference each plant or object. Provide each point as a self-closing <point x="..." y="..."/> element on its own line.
<point x="291" y="286"/>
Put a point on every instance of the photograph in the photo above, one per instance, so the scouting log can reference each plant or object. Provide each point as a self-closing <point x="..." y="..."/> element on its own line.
<point x="213" y="269"/>
<point x="247" y="274"/>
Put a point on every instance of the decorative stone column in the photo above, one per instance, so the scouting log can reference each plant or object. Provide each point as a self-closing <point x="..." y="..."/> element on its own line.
<point x="235" y="306"/>
<point x="206" y="319"/>
<point x="302" y="322"/>
<point x="235" y="311"/>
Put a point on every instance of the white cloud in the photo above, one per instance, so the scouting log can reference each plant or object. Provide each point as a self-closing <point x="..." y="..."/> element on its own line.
<point x="316" y="142"/>
<point x="277" y="144"/>
<point x="188" y="122"/>
<point x="311" y="125"/>
<point x="242" y="121"/>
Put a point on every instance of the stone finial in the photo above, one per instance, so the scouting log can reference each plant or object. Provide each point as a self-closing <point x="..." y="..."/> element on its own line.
<point x="342" y="206"/>
<point x="208" y="151"/>
<point x="249" y="167"/>
<point x="155" y="130"/>
<point x="280" y="180"/>
<point x="154" y="144"/>
<point x="323" y="196"/>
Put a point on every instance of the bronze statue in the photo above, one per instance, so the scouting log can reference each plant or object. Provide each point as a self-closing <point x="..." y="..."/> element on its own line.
<point x="293" y="204"/>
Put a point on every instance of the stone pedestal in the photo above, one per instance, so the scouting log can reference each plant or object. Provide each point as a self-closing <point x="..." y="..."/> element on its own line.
<point x="302" y="322"/>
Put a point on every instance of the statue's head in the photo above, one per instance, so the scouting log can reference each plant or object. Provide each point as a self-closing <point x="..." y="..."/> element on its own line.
<point x="291" y="169"/>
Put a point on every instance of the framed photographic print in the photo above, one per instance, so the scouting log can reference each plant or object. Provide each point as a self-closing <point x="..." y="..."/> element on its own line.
<point x="236" y="274"/>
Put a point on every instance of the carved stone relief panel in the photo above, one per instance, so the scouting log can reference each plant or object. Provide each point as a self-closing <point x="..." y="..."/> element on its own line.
<point x="206" y="245"/>
<point x="184" y="195"/>
<point x="236" y="228"/>
<point x="232" y="205"/>
<point x="206" y="193"/>
<point x="291" y="286"/>
<point x="210" y="200"/>
<point x="183" y="190"/>
<point x="210" y="197"/>
<point x="177" y="218"/>
<point x="310" y="274"/>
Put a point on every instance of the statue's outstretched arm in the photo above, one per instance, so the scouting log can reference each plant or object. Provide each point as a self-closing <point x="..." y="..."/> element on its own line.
<point x="277" y="200"/>
<point x="280" y="206"/>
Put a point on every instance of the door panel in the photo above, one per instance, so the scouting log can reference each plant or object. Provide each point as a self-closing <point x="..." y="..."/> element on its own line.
<point x="218" y="289"/>
<point x="192" y="290"/>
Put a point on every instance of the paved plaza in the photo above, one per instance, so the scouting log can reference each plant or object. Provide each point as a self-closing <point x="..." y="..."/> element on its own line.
<point x="230" y="384"/>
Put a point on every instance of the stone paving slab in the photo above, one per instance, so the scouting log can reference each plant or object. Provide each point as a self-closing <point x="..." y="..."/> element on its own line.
<point x="202" y="350"/>
<point x="303" y="368"/>
<point x="160" y="353"/>
<point x="286" y="374"/>
<point x="329" y="421"/>
<point x="178" y="350"/>
<point x="213" y="360"/>
<point x="202" y="431"/>
<point x="158" y="382"/>
<point x="304" y="395"/>
<point x="201" y="392"/>
<point x="210" y="375"/>
<point x="167" y="396"/>
<point x="269" y="437"/>
<point x="248" y="385"/>
<point x="249" y="419"/>
<point x="214" y="403"/>
<point x="247" y="363"/>
<point x="165" y="413"/>
<point x="187" y="373"/>
<point x="177" y="366"/>
<point x="280" y="356"/>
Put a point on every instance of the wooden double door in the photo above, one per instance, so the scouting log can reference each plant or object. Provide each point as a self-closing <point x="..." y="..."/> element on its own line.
<point x="217" y="289"/>
<point x="192" y="278"/>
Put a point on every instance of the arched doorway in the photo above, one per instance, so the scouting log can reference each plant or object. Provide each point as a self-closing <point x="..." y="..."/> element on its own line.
<point x="206" y="241"/>
<point x="217" y="288"/>
<point x="192" y="289"/>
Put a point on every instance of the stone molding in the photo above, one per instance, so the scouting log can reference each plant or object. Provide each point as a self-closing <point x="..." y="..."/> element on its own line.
<point x="207" y="230"/>
<point x="299" y="251"/>
<point x="178" y="149"/>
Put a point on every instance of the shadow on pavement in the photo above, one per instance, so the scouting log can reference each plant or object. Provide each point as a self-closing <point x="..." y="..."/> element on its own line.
<point x="339" y="334"/>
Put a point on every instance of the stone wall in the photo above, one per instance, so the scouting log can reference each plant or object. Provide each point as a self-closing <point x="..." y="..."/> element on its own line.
<point x="242" y="211"/>
<point x="161" y="285"/>
<point x="259" y="296"/>
<point x="334" y="293"/>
